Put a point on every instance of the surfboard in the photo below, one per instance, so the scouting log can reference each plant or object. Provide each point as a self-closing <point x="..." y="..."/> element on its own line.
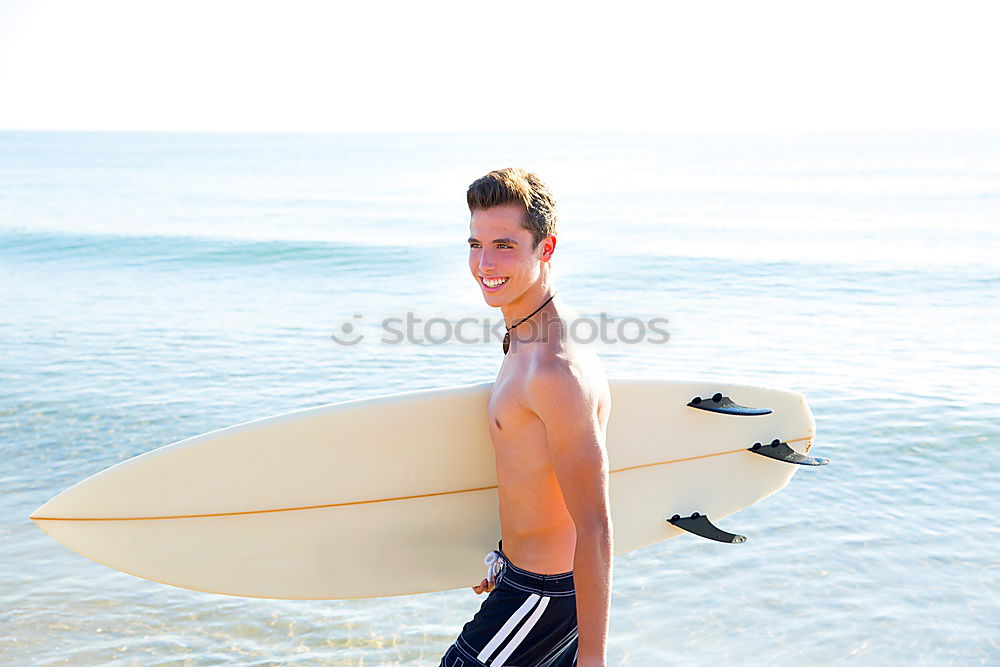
<point x="397" y="494"/>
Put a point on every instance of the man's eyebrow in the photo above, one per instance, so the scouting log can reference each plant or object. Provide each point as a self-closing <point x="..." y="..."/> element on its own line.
<point x="506" y="240"/>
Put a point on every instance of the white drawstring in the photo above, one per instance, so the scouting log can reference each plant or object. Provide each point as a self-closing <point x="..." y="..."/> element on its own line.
<point x="493" y="566"/>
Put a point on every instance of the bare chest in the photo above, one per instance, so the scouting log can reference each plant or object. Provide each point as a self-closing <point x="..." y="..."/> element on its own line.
<point x="517" y="433"/>
<point x="509" y="418"/>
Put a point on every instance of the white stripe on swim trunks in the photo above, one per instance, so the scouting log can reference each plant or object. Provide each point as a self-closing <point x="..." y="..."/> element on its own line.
<point x="507" y="628"/>
<point x="522" y="633"/>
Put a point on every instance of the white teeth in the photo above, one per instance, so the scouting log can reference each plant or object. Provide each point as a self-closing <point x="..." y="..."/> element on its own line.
<point x="494" y="282"/>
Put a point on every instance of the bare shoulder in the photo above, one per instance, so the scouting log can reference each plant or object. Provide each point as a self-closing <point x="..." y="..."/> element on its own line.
<point x="569" y="381"/>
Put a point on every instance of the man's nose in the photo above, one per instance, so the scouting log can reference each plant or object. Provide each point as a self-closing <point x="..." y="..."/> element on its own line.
<point x="486" y="261"/>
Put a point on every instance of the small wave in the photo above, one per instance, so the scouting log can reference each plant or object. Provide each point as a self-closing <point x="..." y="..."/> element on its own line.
<point x="172" y="251"/>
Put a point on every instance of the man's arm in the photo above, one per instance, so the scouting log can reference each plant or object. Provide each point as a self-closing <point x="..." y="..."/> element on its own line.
<point x="580" y="462"/>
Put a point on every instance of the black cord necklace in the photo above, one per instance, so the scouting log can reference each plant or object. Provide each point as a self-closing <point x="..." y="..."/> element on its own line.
<point x="506" y="336"/>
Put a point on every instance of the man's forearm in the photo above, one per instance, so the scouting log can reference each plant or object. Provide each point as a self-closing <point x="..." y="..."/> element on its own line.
<point x="592" y="580"/>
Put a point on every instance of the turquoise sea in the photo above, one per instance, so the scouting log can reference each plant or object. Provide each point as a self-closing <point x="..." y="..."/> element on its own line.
<point x="157" y="286"/>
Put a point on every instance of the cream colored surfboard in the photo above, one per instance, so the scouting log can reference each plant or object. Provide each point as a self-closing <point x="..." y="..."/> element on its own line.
<point x="397" y="494"/>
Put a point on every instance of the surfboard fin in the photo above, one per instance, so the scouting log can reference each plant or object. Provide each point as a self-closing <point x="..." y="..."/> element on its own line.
<point x="698" y="524"/>
<point x="780" y="451"/>
<point x="725" y="405"/>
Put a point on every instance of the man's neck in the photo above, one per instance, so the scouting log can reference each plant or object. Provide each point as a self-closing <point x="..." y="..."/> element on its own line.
<point x="516" y="311"/>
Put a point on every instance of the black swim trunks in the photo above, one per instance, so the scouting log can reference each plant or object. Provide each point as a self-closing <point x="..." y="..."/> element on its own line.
<point x="528" y="620"/>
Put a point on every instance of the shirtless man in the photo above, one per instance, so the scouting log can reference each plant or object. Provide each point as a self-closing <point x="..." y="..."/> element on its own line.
<point x="549" y="581"/>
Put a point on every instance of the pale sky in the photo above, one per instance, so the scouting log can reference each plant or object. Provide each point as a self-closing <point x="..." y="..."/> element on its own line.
<point x="536" y="65"/>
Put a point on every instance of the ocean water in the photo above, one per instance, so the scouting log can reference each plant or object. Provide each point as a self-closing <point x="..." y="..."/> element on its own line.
<point x="157" y="286"/>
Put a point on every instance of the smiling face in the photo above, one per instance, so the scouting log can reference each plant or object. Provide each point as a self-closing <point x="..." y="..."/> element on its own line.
<point x="502" y="256"/>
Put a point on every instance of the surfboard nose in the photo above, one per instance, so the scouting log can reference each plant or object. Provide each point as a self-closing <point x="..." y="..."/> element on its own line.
<point x="63" y="505"/>
<point x="45" y="509"/>
<point x="38" y="512"/>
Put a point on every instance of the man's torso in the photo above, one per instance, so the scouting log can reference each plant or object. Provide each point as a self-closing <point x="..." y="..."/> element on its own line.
<point x="538" y="532"/>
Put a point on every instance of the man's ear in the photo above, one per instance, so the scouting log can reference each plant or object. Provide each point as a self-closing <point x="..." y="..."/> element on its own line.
<point x="548" y="245"/>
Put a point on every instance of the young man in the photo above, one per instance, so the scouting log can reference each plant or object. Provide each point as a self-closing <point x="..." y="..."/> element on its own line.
<point x="549" y="581"/>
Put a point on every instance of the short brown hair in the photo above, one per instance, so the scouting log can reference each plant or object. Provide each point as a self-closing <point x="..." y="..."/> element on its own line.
<point x="514" y="185"/>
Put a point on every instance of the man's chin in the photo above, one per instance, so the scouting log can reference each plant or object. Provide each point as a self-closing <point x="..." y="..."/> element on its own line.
<point x="492" y="301"/>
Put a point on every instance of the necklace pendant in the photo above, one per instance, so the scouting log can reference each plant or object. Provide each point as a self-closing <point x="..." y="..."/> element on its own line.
<point x="506" y="336"/>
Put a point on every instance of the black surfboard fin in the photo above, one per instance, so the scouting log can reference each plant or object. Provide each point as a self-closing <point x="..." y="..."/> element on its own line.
<point x="725" y="405"/>
<point x="780" y="451"/>
<point x="698" y="524"/>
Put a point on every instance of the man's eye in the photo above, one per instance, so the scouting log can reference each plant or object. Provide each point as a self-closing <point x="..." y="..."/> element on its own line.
<point x="503" y="245"/>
